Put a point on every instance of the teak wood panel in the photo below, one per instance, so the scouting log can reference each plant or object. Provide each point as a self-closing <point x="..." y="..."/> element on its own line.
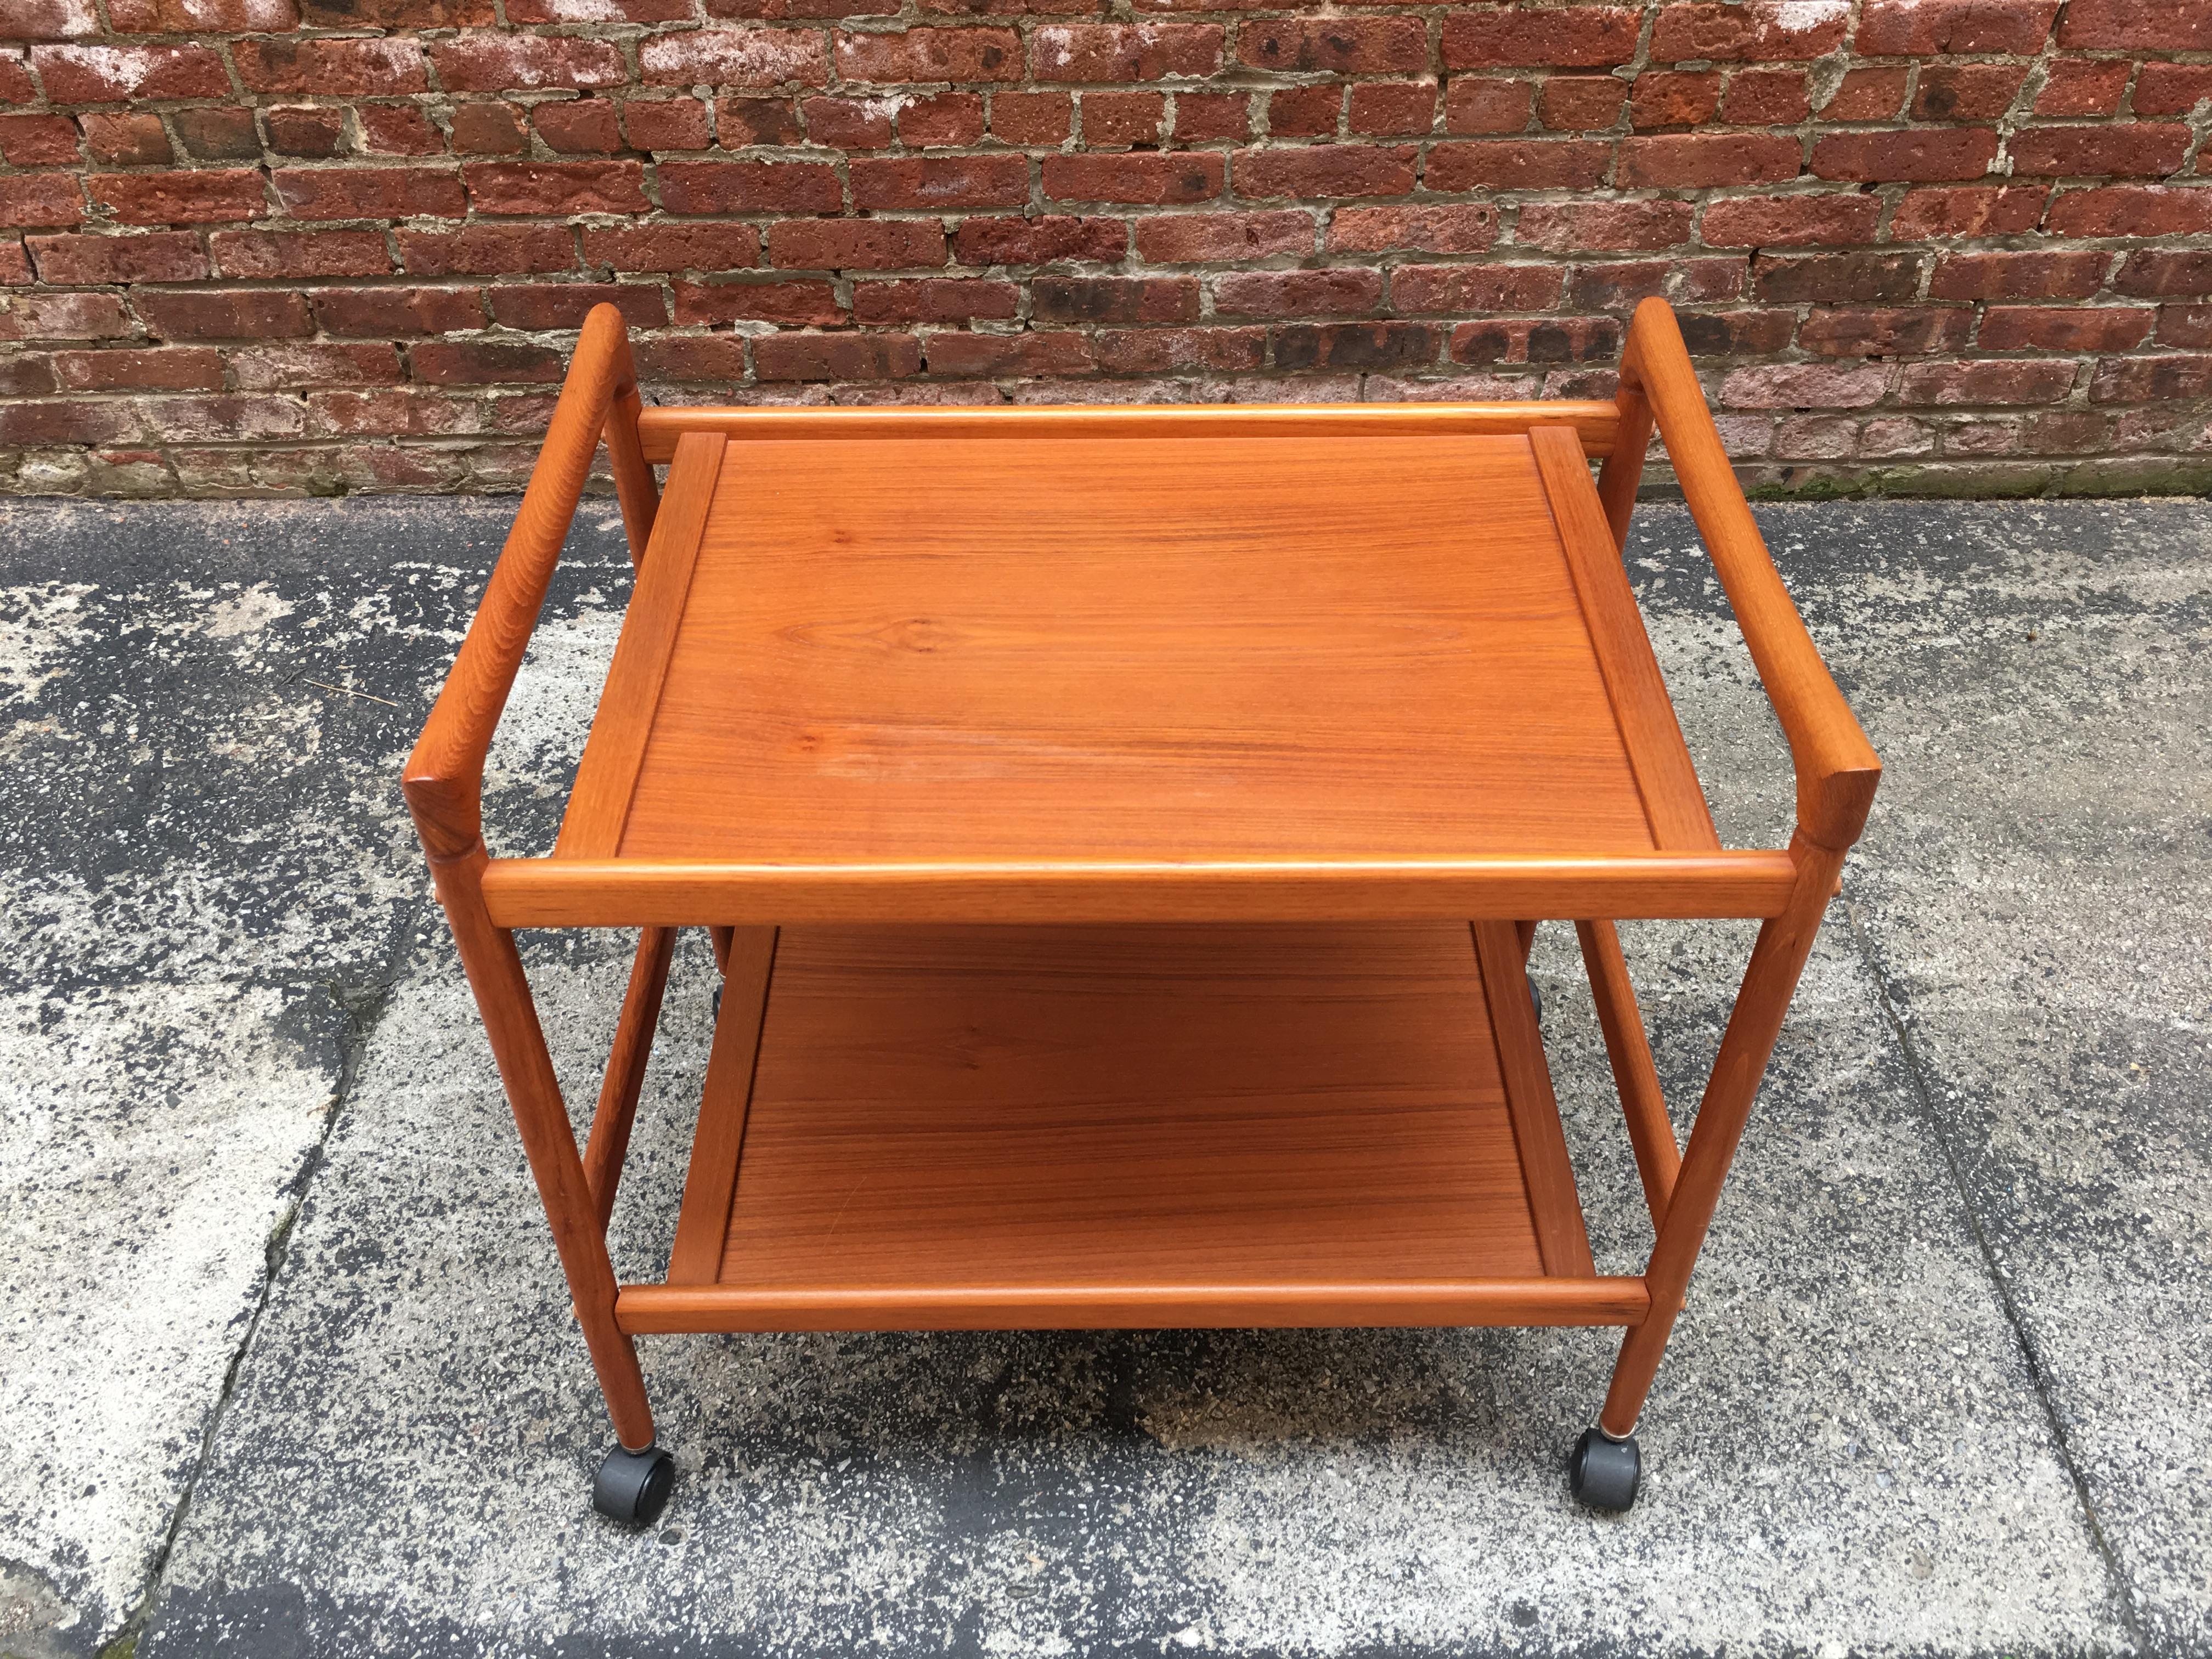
<point x="1235" y="649"/>
<point x="1182" y="1109"/>
<point x="720" y="1141"/>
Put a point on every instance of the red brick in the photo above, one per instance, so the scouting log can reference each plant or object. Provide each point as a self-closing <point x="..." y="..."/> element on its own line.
<point x="1967" y="91"/>
<point x="1579" y="37"/>
<point x="1041" y="241"/>
<point x="2018" y="276"/>
<point x="1577" y="226"/>
<point x="1736" y="333"/>
<point x="1194" y="238"/>
<point x="749" y="186"/>
<point x="32" y="141"/>
<point x="779" y="11"/>
<point x="734" y="58"/>
<point x="483" y="363"/>
<point x="1387" y="108"/>
<point x="114" y="75"/>
<point x="176" y="368"/>
<point x="25" y="375"/>
<point x="224" y="315"/>
<point x="947" y="181"/>
<point x="582" y="127"/>
<point x="1147" y="181"/>
<point x="274" y="254"/>
<point x="1457" y="229"/>
<point x="2132" y="210"/>
<point x="1170" y="350"/>
<point x="1923" y="28"/>
<point x="1116" y="298"/>
<point x="1576" y="102"/>
<point x="2184" y="325"/>
<point x="64" y="316"/>
<point x="14" y="264"/>
<point x="949" y="119"/>
<point x="486" y="250"/>
<point x="1055" y="353"/>
<point x="162" y="256"/>
<point x="1475" y="287"/>
<point x="1119" y="54"/>
<point x="1518" y="164"/>
<point x="343" y="68"/>
<point x="2172" y="88"/>
<point x="1676" y="160"/>
<point x="1917" y="156"/>
<point x="2152" y="379"/>
<point x="505" y="62"/>
<point x="1766" y="98"/>
<point x="1763" y="31"/>
<point x="1326" y="171"/>
<point x="369" y="193"/>
<point x="41" y="199"/>
<point x="836" y="356"/>
<point x="2138" y="25"/>
<point x="489" y="130"/>
<point x="598" y="11"/>
<point x="1867" y="94"/>
<point x="855" y="244"/>
<point x="2065" y="328"/>
<point x="2137" y="149"/>
<point x="1342" y="291"/>
<point x="1357" y="346"/>
<point x="1621" y="286"/>
<point x="1804" y="386"/>
<point x="379" y="311"/>
<point x="16" y="84"/>
<point x="1994" y="382"/>
<point x="659" y="123"/>
<point x="1031" y="117"/>
<point x="673" y="248"/>
<point x="847" y="123"/>
<point x="1200" y="116"/>
<point x="1537" y="340"/>
<point x="2084" y="86"/>
<point x="556" y="187"/>
<point x="1123" y="117"/>
<point x="1668" y="99"/>
<point x="1996" y="210"/>
<point x="292" y="368"/>
<point x="1472" y="107"/>
<point x="181" y="198"/>
<point x="2164" y="271"/>
<point x="758" y="121"/>
<point x="26" y="423"/>
<point x="691" y="358"/>
<point x="312" y="129"/>
<point x="1335" y="46"/>
<point x="1886" y="331"/>
<point x="925" y="54"/>
<point x="397" y="14"/>
<point x="1305" y="112"/>
<point x="219" y="135"/>
<point x="933" y="300"/>
<point x="563" y="305"/>
<point x="1790" y="221"/>
<point x="1837" y="276"/>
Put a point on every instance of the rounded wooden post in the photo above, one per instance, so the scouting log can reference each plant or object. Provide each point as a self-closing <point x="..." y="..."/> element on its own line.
<point x="517" y="1043"/>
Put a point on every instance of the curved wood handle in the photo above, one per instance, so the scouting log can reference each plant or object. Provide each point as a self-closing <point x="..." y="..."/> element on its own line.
<point x="444" y="779"/>
<point x="1835" y="766"/>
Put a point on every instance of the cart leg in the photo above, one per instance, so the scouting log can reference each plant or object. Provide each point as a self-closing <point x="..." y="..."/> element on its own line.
<point x="517" y="1043"/>
<point x="1769" y="981"/>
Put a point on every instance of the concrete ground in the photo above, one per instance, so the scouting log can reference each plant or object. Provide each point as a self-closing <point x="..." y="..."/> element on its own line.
<point x="286" y="1366"/>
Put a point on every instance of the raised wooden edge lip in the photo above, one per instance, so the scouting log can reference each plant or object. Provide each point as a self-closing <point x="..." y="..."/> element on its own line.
<point x="566" y="892"/>
<point x="1595" y="421"/>
<point x="643" y="1310"/>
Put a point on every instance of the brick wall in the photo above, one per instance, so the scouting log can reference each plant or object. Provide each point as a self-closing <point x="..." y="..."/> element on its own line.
<point x="305" y="245"/>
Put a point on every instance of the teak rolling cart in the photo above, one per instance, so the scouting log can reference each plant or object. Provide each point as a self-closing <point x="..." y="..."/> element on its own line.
<point x="1121" y="832"/>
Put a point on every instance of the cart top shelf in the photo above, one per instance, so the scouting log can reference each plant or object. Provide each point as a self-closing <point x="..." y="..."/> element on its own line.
<point x="1037" y="649"/>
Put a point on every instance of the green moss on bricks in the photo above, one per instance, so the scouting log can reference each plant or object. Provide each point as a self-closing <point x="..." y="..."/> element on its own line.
<point x="2136" y="475"/>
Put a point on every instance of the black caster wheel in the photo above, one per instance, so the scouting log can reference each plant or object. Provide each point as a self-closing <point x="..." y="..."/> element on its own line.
<point x="1536" y="996"/>
<point x="632" y="1487"/>
<point x="1603" y="1471"/>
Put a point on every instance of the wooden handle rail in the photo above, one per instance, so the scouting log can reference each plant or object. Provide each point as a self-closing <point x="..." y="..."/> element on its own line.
<point x="1837" y="770"/>
<point x="444" y="779"/>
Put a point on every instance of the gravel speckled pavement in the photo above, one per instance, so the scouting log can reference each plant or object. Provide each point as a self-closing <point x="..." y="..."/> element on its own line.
<point x="286" y="1366"/>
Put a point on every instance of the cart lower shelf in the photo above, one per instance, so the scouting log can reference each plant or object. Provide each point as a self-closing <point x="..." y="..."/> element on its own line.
<point x="1164" y="1126"/>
